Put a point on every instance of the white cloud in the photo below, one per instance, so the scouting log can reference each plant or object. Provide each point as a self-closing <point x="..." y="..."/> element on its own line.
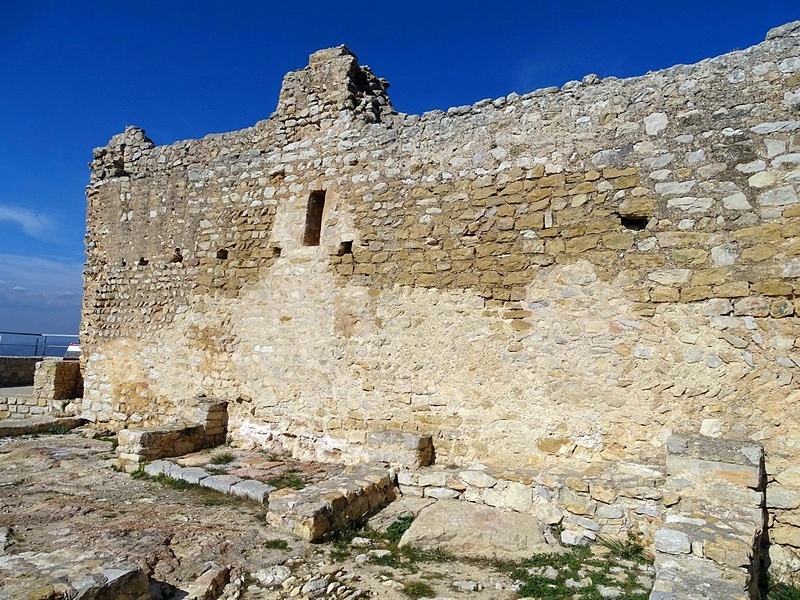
<point x="40" y="280"/>
<point x="31" y="223"/>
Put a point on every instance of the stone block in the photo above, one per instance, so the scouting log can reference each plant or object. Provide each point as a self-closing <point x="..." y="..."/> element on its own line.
<point x="671" y="541"/>
<point x="440" y="493"/>
<point x="519" y="497"/>
<point x="220" y="483"/>
<point x="190" y="474"/>
<point x="159" y="467"/>
<point x="432" y="478"/>
<point x="781" y="497"/>
<point x="477" y="479"/>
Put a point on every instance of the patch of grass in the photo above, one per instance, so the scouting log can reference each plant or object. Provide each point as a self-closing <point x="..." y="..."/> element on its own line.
<point x="628" y="549"/>
<point x="112" y="440"/>
<point x="276" y="544"/>
<point x="396" y="530"/>
<point x="175" y="484"/>
<point x="415" y="555"/>
<point x="418" y="589"/>
<point x="59" y="430"/>
<point x="577" y="564"/>
<point x="139" y="472"/>
<point x="288" y="479"/>
<point x="223" y="458"/>
<point x="385" y="561"/>
<point x="216" y="471"/>
<point x="777" y="590"/>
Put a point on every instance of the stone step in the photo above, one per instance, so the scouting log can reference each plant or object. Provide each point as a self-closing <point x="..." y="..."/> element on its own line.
<point x="313" y="512"/>
<point x="309" y="513"/>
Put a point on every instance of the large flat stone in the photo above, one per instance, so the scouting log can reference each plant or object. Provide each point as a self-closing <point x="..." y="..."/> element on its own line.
<point x="255" y="490"/>
<point x="221" y="483"/>
<point x="189" y="474"/>
<point x="474" y="530"/>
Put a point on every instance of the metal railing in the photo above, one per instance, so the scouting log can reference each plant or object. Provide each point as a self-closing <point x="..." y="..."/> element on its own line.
<point x="16" y="343"/>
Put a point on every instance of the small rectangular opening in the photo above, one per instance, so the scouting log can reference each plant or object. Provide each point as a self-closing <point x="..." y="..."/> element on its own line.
<point x="316" y="205"/>
<point x="634" y="223"/>
<point x="345" y="248"/>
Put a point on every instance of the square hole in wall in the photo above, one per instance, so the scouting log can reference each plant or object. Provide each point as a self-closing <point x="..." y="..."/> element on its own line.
<point x="634" y="223"/>
<point x="345" y="247"/>
<point x="316" y="206"/>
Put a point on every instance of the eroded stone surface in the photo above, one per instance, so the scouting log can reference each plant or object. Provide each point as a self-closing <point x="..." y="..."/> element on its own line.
<point x="477" y="531"/>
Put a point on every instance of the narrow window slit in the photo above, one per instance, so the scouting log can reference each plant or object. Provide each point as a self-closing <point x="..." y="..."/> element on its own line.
<point x="316" y="205"/>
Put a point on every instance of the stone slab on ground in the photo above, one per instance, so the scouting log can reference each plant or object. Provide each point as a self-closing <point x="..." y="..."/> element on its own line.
<point x="189" y="474"/>
<point x="160" y="467"/>
<point x="255" y="490"/>
<point x="15" y="427"/>
<point x="220" y="483"/>
<point x="474" y="530"/>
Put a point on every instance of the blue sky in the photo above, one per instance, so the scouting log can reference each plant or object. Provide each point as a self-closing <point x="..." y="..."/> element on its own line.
<point x="72" y="74"/>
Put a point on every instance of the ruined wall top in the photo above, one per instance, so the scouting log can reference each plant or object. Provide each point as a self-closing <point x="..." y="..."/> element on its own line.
<point x="332" y="83"/>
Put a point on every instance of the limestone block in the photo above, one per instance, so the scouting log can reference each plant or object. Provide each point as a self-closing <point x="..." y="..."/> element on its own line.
<point x="440" y="493"/>
<point x="432" y="478"/>
<point x="189" y="474"/>
<point x="220" y="483"/>
<point x="159" y="467"/>
<point x="671" y="541"/>
<point x="477" y="479"/>
<point x="739" y="474"/>
<point x="519" y="497"/>
<point x="785" y="535"/>
<point x="781" y="497"/>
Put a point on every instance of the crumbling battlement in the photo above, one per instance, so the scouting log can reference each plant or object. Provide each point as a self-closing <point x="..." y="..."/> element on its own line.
<point x="570" y="275"/>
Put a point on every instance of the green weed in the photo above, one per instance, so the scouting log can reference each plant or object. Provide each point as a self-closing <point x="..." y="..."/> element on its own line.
<point x="418" y="589"/>
<point x="223" y="458"/>
<point x="288" y="479"/>
<point x="396" y="530"/>
<point x="276" y="544"/>
<point x="628" y="549"/>
<point x="139" y="472"/>
<point x="59" y="430"/>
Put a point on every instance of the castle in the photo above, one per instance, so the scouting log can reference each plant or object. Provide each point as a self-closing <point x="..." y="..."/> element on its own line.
<point x="568" y="275"/>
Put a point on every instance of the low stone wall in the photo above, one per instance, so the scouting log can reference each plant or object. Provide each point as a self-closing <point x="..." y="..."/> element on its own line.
<point x="142" y="445"/>
<point x="397" y="449"/>
<point x="58" y="380"/>
<point x="16" y="371"/>
<point x="703" y="516"/>
<point x="332" y="504"/>
<point x="21" y="407"/>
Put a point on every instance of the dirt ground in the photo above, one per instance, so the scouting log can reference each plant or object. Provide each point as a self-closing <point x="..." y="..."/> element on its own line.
<point x="64" y="510"/>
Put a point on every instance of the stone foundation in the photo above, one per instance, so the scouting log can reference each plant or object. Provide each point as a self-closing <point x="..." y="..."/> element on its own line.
<point x="142" y="445"/>
<point x="703" y="516"/>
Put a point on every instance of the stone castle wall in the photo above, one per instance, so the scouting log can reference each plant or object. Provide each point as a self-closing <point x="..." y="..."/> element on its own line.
<point x="569" y="275"/>
<point x="17" y="371"/>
